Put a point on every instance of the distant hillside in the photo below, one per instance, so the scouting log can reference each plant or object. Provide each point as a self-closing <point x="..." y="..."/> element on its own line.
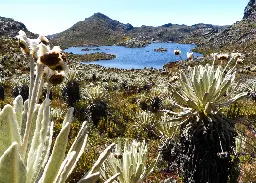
<point x="239" y="36"/>
<point x="176" y="33"/>
<point x="97" y="29"/>
<point x="10" y="28"/>
<point x="102" y="30"/>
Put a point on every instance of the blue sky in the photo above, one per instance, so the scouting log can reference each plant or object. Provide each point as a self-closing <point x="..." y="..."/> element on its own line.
<point x="53" y="16"/>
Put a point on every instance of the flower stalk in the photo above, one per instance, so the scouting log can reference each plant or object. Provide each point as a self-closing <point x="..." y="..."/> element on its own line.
<point x="34" y="95"/>
<point x="31" y="85"/>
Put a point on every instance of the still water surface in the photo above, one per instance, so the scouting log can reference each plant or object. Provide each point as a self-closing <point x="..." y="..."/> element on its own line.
<point x="138" y="58"/>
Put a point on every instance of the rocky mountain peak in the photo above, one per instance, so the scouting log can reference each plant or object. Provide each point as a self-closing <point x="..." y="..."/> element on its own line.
<point x="110" y="23"/>
<point x="99" y="16"/>
<point x="250" y="10"/>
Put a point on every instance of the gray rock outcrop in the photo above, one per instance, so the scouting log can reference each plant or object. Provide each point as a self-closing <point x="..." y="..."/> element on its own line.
<point x="250" y="10"/>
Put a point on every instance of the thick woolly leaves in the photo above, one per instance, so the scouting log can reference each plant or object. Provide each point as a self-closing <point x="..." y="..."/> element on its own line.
<point x="112" y="179"/>
<point x="132" y="165"/>
<point x="78" y="146"/>
<point x="57" y="156"/>
<point x="18" y="108"/>
<point x="12" y="169"/>
<point x="65" y="167"/>
<point x="69" y="116"/>
<point x="101" y="159"/>
<point x="9" y="132"/>
<point x="38" y="142"/>
<point x="92" y="178"/>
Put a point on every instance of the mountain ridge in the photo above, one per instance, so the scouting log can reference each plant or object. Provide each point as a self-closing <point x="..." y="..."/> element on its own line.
<point x="102" y="30"/>
<point x="10" y="28"/>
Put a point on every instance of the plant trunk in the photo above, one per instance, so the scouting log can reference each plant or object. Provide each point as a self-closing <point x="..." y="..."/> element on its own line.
<point x="206" y="150"/>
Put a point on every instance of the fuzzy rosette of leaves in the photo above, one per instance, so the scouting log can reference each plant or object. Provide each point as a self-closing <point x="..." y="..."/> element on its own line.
<point x="131" y="163"/>
<point x="204" y="90"/>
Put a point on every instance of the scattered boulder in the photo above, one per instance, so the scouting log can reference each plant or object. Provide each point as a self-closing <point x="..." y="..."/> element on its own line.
<point x="85" y="49"/>
<point x="160" y="50"/>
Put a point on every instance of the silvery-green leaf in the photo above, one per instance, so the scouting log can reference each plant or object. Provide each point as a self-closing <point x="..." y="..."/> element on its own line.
<point x="186" y="86"/>
<point x="64" y="168"/>
<point x="47" y="145"/>
<point x="45" y="121"/>
<point x="24" y="119"/>
<point x="132" y="165"/>
<point x="222" y="90"/>
<point x="57" y="156"/>
<point x="234" y="99"/>
<point x="38" y="146"/>
<point x="69" y="116"/>
<point x="92" y="178"/>
<point x="78" y="146"/>
<point x="43" y="154"/>
<point x="218" y="77"/>
<point x="201" y="89"/>
<point x="103" y="156"/>
<point x="112" y="179"/>
<point x="9" y="132"/>
<point x="205" y="81"/>
<point x="18" y="108"/>
<point x="33" y="126"/>
<point x="152" y="166"/>
<point x="211" y="90"/>
<point x="192" y="104"/>
<point x="179" y="98"/>
<point x="196" y="86"/>
<point x="12" y="169"/>
<point x="138" y="172"/>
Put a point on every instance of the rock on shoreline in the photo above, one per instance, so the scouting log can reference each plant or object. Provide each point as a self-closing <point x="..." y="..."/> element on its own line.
<point x="92" y="56"/>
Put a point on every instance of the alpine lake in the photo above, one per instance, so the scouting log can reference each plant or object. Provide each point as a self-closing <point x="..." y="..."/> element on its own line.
<point x="138" y="58"/>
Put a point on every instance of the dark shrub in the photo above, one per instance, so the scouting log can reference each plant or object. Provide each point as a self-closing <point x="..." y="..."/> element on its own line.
<point x="71" y="93"/>
<point x="144" y="105"/>
<point x="1" y="92"/>
<point x="155" y="104"/>
<point x="16" y="91"/>
<point x="98" y="110"/>
<point x="24" y="91"/>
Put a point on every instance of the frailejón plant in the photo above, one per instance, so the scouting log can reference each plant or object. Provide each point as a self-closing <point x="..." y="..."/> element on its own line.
<point x="130" y="163"/>
<point x="26" y="129"/>
<point x="207" y="137"/>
